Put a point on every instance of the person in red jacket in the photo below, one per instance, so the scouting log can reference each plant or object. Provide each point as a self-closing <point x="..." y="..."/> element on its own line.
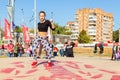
<point x="10" y="48"/>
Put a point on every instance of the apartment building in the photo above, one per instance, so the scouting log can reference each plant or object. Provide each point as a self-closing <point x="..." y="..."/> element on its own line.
<point x="72" y="26"/>
<point x="97" y="23"/>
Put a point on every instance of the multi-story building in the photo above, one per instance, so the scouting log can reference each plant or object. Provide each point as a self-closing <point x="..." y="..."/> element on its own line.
<point x="97" y="23"/>
<point x="72" y="26"/>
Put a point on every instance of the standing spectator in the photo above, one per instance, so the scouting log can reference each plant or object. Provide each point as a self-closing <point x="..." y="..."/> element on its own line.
<point x="65" y="45"/>
<point x="16" y="49"/>
<point x="21" y="50"/>
<point x="114" y="51"/>
<point x="28" y="53"/>
<point x="3" y="46"/>
<point x="31" y="48"/>
<point x="95" y="48"/>
<point x="101" y="48"/>
<point x="10" y="49"/>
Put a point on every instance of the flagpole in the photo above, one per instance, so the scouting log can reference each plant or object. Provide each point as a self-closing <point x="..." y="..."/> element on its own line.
<point x="0" y="29"/>
<point x="119" y="35"/>
<point x="34" y="17"/>
<point x="11" y="12"/>
<point x="12" y="18"/>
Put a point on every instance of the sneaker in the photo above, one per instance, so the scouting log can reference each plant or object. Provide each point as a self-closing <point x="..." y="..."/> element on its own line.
<point x="34" y="63"/>
<point x="49" y="63"/>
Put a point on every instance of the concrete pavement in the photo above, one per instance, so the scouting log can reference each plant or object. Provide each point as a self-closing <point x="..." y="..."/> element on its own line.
<point x="78" y="68"/>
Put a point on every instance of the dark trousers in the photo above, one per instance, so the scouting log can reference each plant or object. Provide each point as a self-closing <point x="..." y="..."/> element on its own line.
<point x="113" y="56"/>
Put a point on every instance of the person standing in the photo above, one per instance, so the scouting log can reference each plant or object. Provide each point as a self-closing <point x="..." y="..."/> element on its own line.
<point x="41" y="38"/>
<point x="3" y="46"/>
<point x="10" y="49"/>
<point x="28" y="52"/>
<point x="101" y="46"/>
<point x="21" y="50"/>
<point x="16" y="49"/>
<point x="114" y="51"/>
<point x="31" y="48"/>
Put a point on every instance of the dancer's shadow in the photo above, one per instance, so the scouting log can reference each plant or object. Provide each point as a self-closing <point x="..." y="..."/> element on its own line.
<point x="45" y="62"/>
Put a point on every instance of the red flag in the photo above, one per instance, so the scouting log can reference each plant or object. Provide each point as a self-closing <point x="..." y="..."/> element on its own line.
<point x="25" y="34"/>
<point x="7" y="33"/>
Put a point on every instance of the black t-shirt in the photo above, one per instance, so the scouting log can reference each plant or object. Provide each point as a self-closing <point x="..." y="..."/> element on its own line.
<point x="43" y="27"/>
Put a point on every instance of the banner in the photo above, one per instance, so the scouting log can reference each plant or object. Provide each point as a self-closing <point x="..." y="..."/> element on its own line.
<point x="25" y="34"/>
<point x="7" y="33"/>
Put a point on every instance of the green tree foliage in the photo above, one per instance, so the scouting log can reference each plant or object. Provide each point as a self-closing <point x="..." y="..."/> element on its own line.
<point x="31" y="30"/>
<point x="60" y="30"/>
<point x="18" y="29"/>
<point x="116" y="35"/>
<point x="2" y="33"/>
<point x="83" y="37"/>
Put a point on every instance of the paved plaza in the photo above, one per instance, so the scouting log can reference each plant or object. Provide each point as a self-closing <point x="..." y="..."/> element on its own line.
<point x="78" y="68"/>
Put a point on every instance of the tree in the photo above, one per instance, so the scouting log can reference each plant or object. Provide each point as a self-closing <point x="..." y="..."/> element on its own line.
<point x="83" y="37"/>
<point x="60" y="30"/>
<point x="1" y="33"/>
<point x="31" y="30"/>
<point x="116" y="36"/>
<point x="18" y="29"/>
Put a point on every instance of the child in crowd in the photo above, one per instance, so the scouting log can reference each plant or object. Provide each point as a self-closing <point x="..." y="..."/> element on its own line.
<point x="28" y="51"/>
<point x="61" y="51"/>
<point x="55" y="50"/>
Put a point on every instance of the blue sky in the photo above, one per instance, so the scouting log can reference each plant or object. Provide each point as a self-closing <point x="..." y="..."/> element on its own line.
<point x="63" y="10"/>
